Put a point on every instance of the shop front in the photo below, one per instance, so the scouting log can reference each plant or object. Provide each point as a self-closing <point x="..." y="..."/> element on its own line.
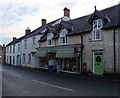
<point x="60" y="59"/>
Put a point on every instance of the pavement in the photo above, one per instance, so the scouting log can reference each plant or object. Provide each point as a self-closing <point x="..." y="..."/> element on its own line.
<point x="104" y="77"/>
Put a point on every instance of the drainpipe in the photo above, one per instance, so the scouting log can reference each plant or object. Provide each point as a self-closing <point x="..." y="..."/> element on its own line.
<point x="114" y="50"/>
<point x="81" y="52"/>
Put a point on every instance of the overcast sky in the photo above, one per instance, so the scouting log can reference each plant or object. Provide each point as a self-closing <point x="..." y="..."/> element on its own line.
<point x="17" y="15"/>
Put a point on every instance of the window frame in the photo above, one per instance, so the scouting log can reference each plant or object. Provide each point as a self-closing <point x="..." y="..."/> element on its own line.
<point x="13" y="60"/>
<point x="10" y="49"/>
<point x="96" y="22"/>
<point x="33" y="41"/>
<point x="23" y="58"/>
<point x="25" y="43"/>
<point x="63" y="38"/>
<point x="13" y="48"/>
<point x="18" y="47"/>
<point x="29" y="58"/>
<point x="96" y="32"/>
<point x="49" y="39"/>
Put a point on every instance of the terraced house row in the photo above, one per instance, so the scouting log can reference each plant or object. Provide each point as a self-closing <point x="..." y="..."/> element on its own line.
<point x="85" y="44"/>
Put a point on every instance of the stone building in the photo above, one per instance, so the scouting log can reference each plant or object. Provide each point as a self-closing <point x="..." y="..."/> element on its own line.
<point x="100" y="32"/>
<point x="85" y="44"/>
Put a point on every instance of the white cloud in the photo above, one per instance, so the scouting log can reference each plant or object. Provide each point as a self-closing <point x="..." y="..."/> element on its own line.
<point x="20" y="14"/>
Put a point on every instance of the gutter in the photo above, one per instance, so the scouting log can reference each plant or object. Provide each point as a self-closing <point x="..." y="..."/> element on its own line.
<point x="114" y="50"/>
<point x="81" y="59"/>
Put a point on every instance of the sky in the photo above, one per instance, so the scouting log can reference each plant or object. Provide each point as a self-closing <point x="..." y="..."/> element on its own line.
<point x="17" y="15"/>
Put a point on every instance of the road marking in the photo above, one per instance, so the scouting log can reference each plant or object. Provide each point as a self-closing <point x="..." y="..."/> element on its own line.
<point x="54" y="85"/>
<point x="14" y="74"/>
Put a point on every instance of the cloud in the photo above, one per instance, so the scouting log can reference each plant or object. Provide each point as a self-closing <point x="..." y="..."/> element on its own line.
<point x="12" y="13"/>
<point x="17" y="15"/>
<point x="69" y="4"/>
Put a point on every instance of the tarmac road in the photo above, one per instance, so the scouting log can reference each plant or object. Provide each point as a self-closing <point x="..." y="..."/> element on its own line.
<point x="19" y="82"/>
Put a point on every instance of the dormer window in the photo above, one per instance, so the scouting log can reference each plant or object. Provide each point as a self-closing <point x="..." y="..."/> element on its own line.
<point x="63" y="37"/>
<point x="97" y="24"/>
<point x="49" y="39"/>
<point x="96" y="32"/>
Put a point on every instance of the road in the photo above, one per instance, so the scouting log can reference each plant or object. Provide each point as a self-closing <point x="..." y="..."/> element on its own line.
<point x="19" y="82"/>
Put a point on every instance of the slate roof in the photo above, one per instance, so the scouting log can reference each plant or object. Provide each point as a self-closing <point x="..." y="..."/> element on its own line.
<point x="33" y="33"/>
<point x="81" y="24"/>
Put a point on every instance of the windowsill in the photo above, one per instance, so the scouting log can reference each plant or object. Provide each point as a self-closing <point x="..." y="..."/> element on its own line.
<point x="50" y="45"/>
<point x="93" y="40"/>
<point x="69" y="72"/>
<point x="63" y="44"/>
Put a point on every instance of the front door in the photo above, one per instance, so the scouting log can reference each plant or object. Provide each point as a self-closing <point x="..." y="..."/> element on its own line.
<point x="18" y="60"/>
<point x="98" y="62"/>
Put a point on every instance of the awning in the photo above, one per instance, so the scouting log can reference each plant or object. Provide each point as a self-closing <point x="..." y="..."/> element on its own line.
<point x="41" y="53"/>
<point x="61" y="52"/>
<point x="67" y="52"/>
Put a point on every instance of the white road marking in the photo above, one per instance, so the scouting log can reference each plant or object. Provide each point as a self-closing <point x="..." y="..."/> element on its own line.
<point x="54" y="85"/>
<point x="14" y="74"/>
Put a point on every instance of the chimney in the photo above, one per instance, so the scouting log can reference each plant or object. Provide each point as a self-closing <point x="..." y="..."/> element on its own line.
<point x="14" y="38"/>
<point x="3" y="45"/>
<point x="66" y="12"/>
<point x="27" y="31"/>
<point x="43" y="22"/>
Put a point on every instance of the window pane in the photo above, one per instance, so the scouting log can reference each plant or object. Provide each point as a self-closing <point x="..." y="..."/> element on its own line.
<point x="94" y="24"/>
<point x="99" y="23"/>
<point x="97" y="34"/>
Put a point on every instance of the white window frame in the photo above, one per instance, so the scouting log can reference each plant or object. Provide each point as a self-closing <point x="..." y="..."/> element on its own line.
<point x="10" y="49"/>
<point x="23" y="58"/>
<point x="33" y="40"/>
<point x="63" y="38"/>
<point x="18" y="47"/>
<point x="29" y="58"/>
<point x="98" y="23"/>
<point x="13" y="48"/>
<point x="13" y="60"/>
<point x="49" y="39"/>
<point x="96" y="32"/>
<point x="25" y="43"/>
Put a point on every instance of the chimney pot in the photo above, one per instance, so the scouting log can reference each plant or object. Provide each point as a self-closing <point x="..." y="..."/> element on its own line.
<point x="3" y="45"/>
<point x="27" y="31"/>
<point x="14" y="38"/>
<point x="43" y="22"/>
<point x="66" y="12"/>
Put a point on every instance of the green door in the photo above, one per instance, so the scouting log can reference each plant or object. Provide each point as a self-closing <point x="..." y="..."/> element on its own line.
<point x="98" y="62"/>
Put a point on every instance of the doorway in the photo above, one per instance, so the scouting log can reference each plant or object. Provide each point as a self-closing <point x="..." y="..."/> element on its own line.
<point x="98" y="62"/>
